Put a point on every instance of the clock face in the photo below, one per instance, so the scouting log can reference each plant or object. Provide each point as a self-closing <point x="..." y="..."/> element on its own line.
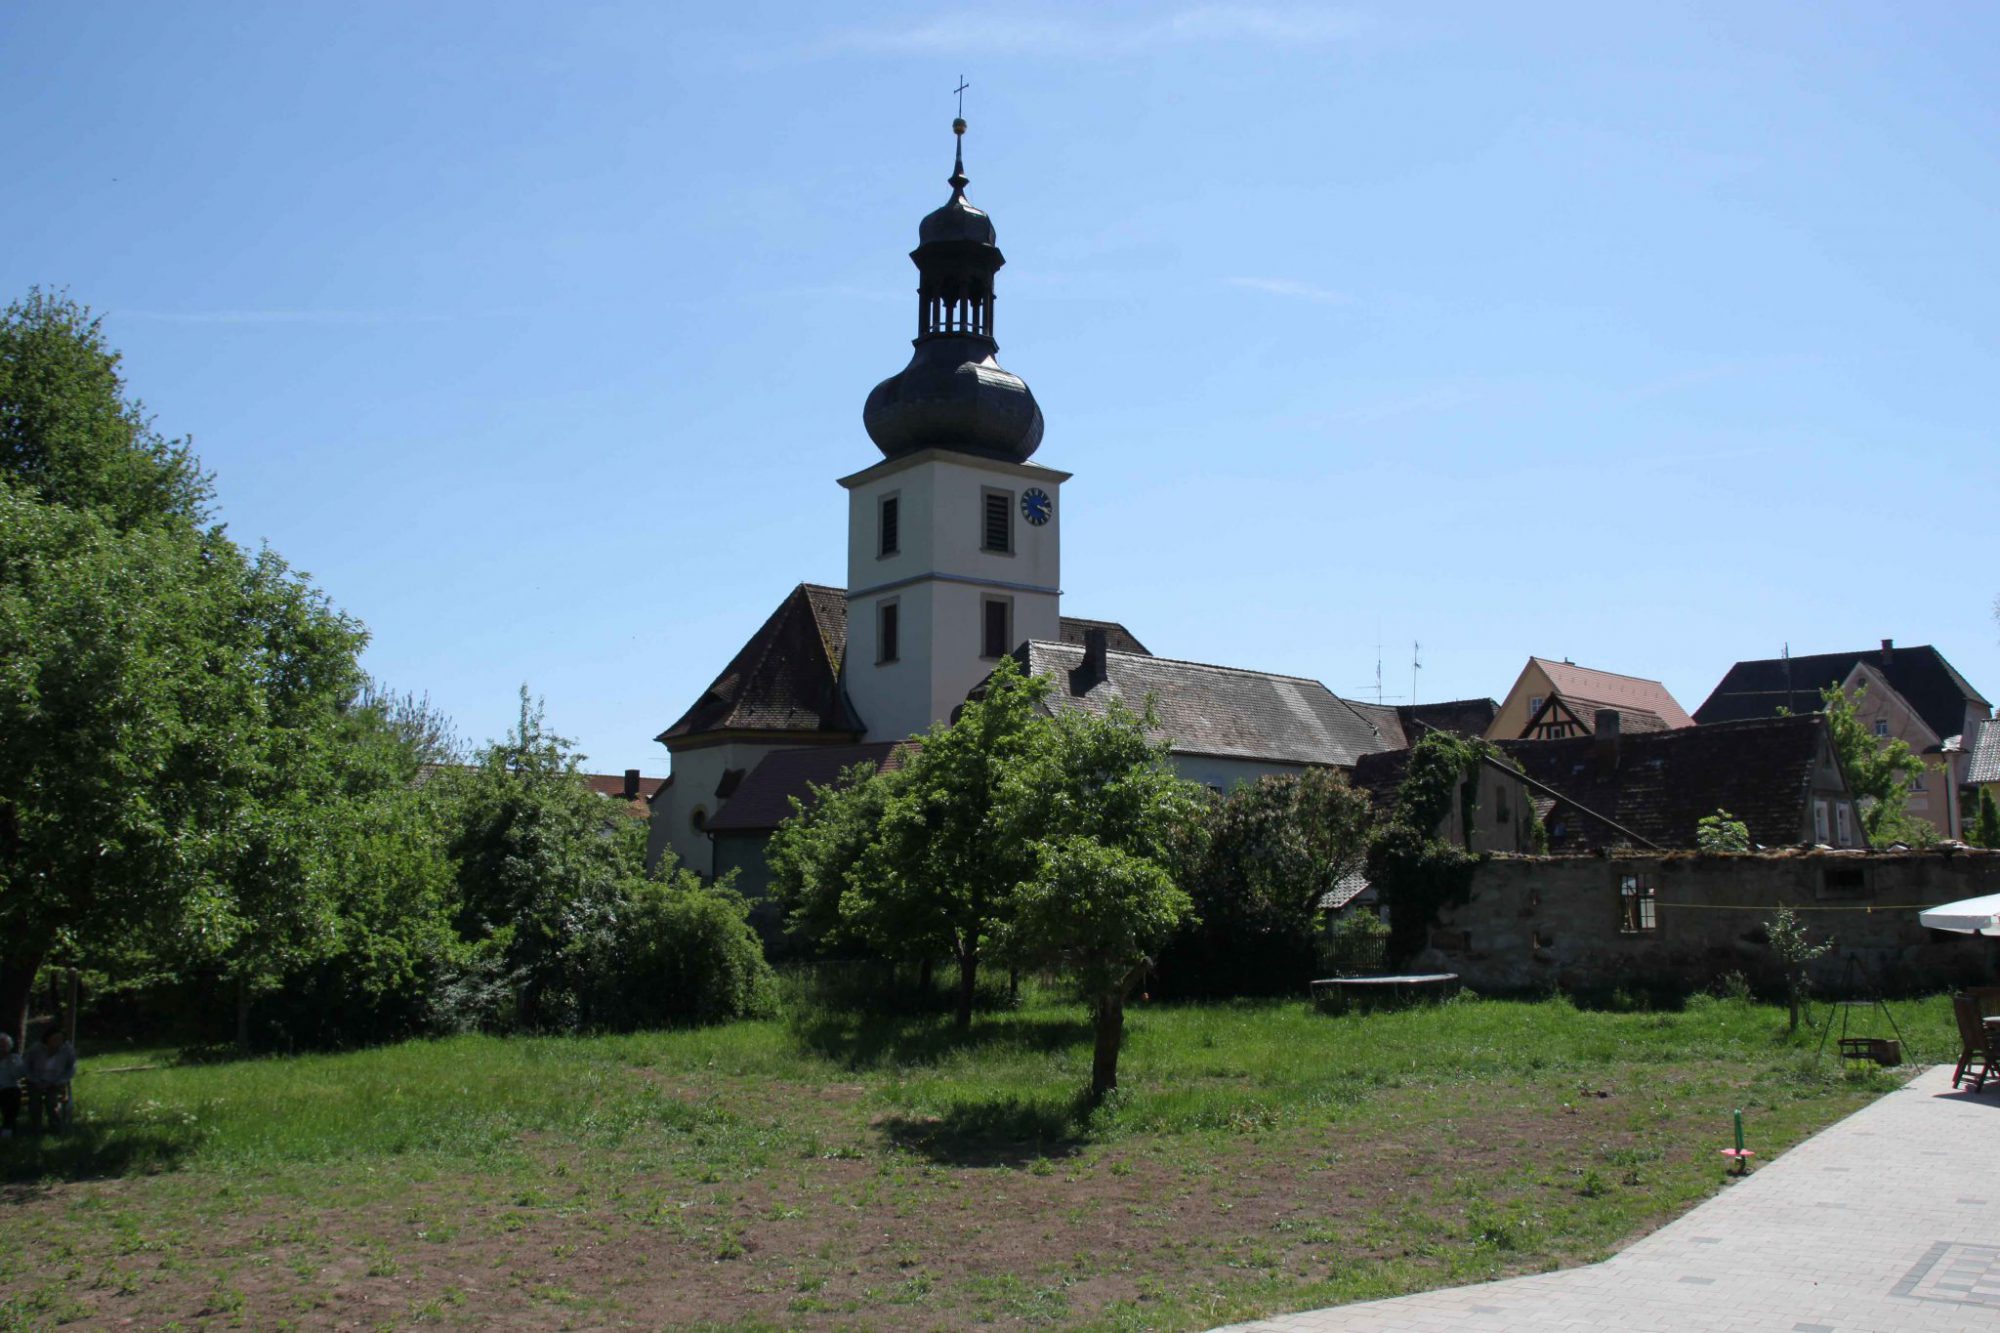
<point x="1036" y="506"/>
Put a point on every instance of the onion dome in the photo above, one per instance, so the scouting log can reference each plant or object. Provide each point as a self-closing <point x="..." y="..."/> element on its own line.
<point x="953" y="394"/>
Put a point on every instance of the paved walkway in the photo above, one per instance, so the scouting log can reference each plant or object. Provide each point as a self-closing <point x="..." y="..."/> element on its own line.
<point x="1868" y="1227"/>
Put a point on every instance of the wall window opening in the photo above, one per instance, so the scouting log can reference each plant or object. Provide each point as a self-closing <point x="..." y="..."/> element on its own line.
<point x="888" y="645"/>
<point x="997" y="629"/>
<point x="1638" y="909"/>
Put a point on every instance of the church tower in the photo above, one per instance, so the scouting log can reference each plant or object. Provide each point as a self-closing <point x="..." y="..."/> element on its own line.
<point x="953" y="547"/>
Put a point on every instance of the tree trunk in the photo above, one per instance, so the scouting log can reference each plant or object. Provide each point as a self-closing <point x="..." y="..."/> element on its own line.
<point x="242" y="1015"/>
<point x="1013" y="985"/>
<point x="968" y="982"/>
<point x="924" y="977"/>
<point x="17" y="980"/>
<point x="1110" y="1035"/>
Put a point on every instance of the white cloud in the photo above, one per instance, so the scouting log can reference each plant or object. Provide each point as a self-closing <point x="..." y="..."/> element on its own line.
<point x="989" y="33"/>
<point x="1297" y="291"/>
<point x="282" y="316"/>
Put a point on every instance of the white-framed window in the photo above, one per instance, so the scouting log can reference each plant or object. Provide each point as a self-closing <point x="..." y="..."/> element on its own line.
<point x="996" y="627"/>
<point x="889" y="525"/>
<point x="1534" y="704"/>
<point x="1917" y="782"/>
<point x="996" y="521"/>
<point x="1819" y="822"/>
<point x="1882" y="728"/>
<point x="888" y="630"/>
<point x="1843" y="828"/>
<point x="1638" y="910"/>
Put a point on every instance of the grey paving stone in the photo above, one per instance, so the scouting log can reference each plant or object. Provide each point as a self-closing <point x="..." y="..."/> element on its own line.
<point x="1866" y="1226"/>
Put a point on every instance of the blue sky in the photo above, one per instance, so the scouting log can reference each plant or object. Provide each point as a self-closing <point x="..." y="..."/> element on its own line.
<point x="538" y="333"/>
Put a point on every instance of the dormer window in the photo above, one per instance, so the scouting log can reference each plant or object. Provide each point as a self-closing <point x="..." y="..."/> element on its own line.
<point x="888" y="527"/>
<point x="996" y="531"/>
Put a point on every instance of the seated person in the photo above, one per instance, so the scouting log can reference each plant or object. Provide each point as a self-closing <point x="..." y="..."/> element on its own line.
<point x="51" y="1064"/>
<point x="10" y="1086"/>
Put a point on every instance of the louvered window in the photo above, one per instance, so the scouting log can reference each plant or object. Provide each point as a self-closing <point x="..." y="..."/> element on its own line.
<point x="997" y="532"/>
<point x="891" y="527"/>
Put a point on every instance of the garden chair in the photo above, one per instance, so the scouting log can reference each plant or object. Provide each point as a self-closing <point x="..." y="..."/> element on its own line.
<point x="1977" y="1057"/>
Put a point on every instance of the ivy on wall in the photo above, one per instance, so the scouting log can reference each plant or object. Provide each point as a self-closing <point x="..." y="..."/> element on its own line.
<point x="1416" y="871"/>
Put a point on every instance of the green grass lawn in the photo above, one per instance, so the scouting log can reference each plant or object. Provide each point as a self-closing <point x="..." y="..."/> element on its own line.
<point x="881" y="1172"/>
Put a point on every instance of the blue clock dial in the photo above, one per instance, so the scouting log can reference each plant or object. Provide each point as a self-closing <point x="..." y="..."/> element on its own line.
<point x="1036" y="507"/>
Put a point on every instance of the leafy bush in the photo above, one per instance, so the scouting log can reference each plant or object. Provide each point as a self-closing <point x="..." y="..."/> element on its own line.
<point x="680" y="952"/>
<point x="1721" y="832"/>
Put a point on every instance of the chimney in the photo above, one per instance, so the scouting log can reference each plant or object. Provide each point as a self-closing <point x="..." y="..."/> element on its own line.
<point x="1888" y="651"/>
<point x="1609" y="723"/>
<point x="631" y="784"/>
<point x="1092" y="671"/>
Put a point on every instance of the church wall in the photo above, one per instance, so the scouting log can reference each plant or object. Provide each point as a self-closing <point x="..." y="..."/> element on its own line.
<point x="696" y="773"/>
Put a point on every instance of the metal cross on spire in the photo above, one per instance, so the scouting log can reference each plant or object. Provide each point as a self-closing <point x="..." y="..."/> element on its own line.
<point x="960" y="90"/>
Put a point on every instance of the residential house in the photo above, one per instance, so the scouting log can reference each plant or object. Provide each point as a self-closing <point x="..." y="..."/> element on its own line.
<point x="1556" y="700"/>
<point x="1646" y="791"/>
<point x="1908" y="694"/>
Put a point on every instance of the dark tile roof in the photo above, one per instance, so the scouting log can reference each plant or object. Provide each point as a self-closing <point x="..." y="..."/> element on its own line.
<point x="1934" y="689"/>
<point x="1116" y="637"/>
<point x="1661" y="784"/>
<point x="1226" y="712"/>
<point x="786" y="678"/>
<point x="1614" y="690"/>
<point x="1985" y="766"/>
<point x="763" y="801"/>
<point x="1461" y="717"/>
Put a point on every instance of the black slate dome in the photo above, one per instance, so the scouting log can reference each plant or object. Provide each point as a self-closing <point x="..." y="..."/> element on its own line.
<point x="953" y="394"/>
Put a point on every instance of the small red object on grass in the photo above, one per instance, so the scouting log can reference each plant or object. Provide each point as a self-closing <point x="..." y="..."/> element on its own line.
<point x="1742" y="1158"/>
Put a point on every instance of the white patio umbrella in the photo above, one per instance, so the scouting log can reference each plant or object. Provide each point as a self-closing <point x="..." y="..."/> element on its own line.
<point x="1967" y="916"/>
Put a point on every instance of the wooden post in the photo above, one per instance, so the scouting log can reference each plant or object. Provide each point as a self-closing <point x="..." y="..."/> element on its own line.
<point x="69" y="1009"/>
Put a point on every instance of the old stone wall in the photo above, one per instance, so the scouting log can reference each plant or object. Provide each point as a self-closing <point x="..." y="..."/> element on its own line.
<point x="1682" y="921"/>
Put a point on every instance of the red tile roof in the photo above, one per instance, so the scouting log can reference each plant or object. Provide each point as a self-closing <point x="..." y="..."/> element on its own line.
<point x="1608" y="689"/>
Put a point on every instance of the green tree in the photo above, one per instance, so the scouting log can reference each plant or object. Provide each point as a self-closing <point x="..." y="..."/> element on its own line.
<point x="541" y="860"/>
<point x="1101" y="813"/>
<point x="1273" y="850"/>
<point x="941" y="865"/>
<point x="1879" y="773"/>
<point x="1795" y="954"/>
<point x="816" y="852"/>
<point x="1721" y="832"/>
<point x="1986" y="824"/>
<point x="166" y="697"/>
<point x="70" y="436"/>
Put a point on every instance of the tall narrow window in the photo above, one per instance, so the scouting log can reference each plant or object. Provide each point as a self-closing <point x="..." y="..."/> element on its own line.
<point x="997" y="632"/>
<point x="1819" y="821"/>
<point x="890" y="527"/>
<point x="1636" y="906"/>
<point x="997" y="522"/>
<point x="886" y="627"/>
<point x="1840" y="821"/>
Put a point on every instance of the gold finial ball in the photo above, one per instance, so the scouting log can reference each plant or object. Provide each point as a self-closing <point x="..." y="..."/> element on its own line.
<point x="958" y="126"/>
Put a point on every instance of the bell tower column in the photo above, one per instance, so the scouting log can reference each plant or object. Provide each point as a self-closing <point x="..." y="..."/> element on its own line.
<point x="954" y="538"/>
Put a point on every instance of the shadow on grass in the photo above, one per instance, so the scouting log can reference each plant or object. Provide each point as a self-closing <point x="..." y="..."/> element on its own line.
<point x="865" y="1041"/>
<point x="92" y="1150"/>
<point x="1001" y="1131"/>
